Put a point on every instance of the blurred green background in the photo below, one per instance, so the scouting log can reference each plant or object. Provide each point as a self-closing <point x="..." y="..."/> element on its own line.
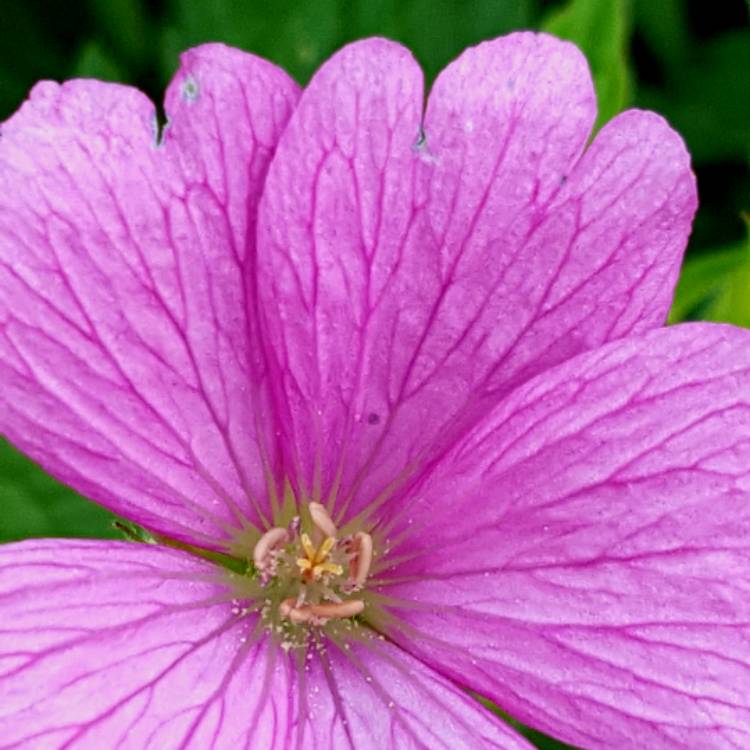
<point x="687" y="59"/>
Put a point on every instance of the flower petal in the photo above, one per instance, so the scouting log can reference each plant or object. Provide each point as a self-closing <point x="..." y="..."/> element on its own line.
<point x="110" y="644"/>
<point x="129" y="362"/>
<point x="406" y="282"/>
<point x="583" y="556"/>
<point x="372" y="695"/>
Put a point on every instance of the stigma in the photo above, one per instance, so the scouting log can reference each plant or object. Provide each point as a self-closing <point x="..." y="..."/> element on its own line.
<point x="312" y="577"/>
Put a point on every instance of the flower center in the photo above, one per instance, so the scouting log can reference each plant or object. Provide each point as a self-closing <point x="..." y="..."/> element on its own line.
<point x="313" y="577"/>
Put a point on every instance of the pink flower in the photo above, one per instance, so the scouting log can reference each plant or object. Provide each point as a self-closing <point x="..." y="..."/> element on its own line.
<point x="387" y="389"/>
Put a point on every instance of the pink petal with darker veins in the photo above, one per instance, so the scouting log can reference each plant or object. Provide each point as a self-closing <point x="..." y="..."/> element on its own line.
<point x="582" y="555"/>
<point x="374" y="696"/>
<point x="108" y="645"/>
<point x="122" y="645"/>
<point x="408" y="283"/>
<point x="129" y="359"/>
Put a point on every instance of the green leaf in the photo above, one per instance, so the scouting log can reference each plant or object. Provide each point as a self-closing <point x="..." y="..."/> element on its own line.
<point x="297" y="36"/>
<point x="664" y="27"/>
<point x="542" y="741"/>
<point x="300" y="36"/>
<point x="709" y="101"/>
<point x="436" y="32"/>
<point x="34" y="504"/>
<point x="94" y="62"/>
<point x="602" y="31"/>
<point x="125" y="27"/>
<point x="715" y="286"/>
<point x="28" y="52"/>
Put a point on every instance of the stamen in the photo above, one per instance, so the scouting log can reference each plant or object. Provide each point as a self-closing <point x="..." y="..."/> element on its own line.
<point x="272" y="539"/>
<point x="289" y="611"/>
<point x="344" y="609"/>
<point x="308" y="577"/>
<point x="321" y="519"/>
<point x="286" y="607"/>
<point x="359" y="567"/>
<point x="319" y="614"/>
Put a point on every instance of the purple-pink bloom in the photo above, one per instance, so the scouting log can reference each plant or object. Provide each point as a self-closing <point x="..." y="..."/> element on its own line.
<point x="407" y="369"/>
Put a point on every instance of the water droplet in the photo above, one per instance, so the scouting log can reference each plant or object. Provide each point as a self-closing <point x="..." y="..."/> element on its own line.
<point x="189" y="89"/>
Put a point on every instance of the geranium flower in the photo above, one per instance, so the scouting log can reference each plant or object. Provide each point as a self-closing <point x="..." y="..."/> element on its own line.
<point x="385" y="389"/>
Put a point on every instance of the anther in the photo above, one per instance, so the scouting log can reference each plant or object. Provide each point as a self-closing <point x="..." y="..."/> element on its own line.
<point x="342" y="610"/>
<point x="322" y="569"/>
<point x="289" y="611"/>
<point x="359" y="566"/>
<point x="321" y="519"/>
<point x="319" y="613"/>
<point x="286" y="607"/>
<point x="272" y="539"/>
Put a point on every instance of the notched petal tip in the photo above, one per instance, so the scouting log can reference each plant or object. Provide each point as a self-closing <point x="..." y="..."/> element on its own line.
<point x="519" y="65"/>
<point x="106" y="243"/>
<point x="83" y="106"/>
<point x="234" y="61"/>
<point x="372" y="66"/>
<point x="374" y="49"/>
<point x="237" y="80"/>
<point x="653" y="132"/>
<point x="535" y="42"/>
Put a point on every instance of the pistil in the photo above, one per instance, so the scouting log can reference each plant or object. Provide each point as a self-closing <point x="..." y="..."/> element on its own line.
<point x="314" y="565"/>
